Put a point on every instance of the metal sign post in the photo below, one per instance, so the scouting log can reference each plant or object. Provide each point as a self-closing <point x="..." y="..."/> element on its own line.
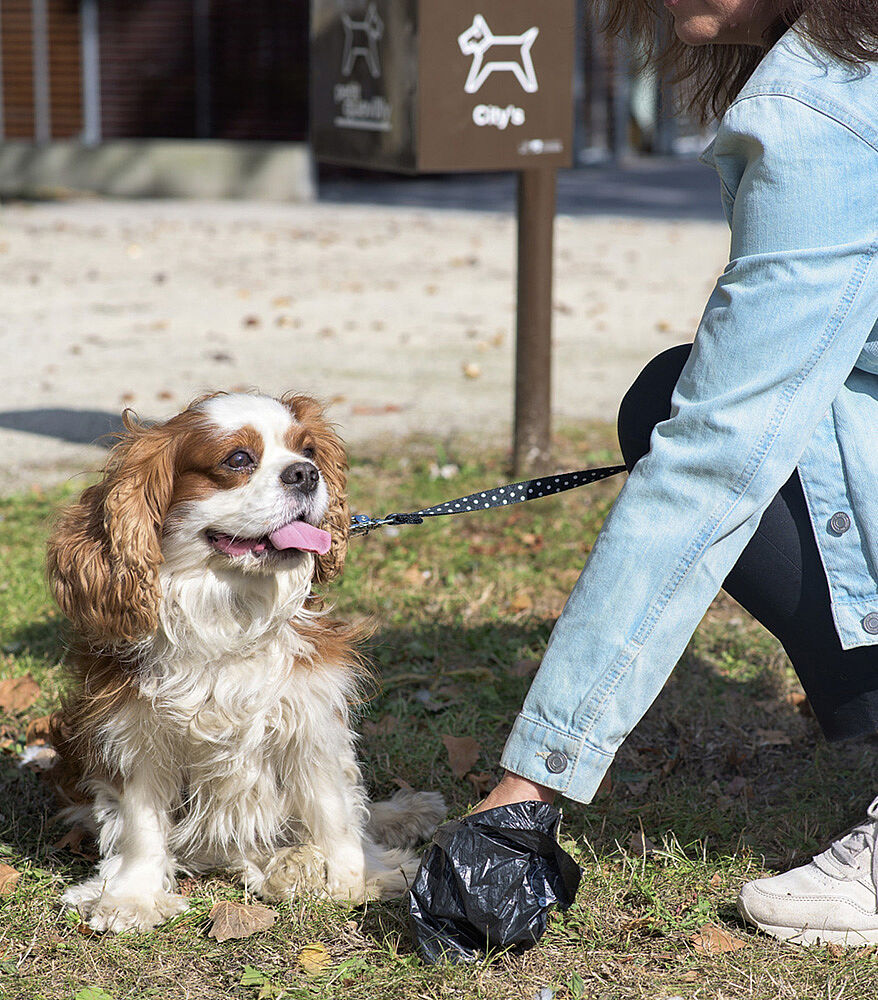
<point x="450" y="85"/>
<point x="533" y="340"/>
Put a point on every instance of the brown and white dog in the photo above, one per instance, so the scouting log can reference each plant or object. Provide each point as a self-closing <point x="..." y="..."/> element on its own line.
<point x="210" y="712"/>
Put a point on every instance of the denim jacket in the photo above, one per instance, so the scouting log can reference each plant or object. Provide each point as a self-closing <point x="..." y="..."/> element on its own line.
<point x="783" y="374"/>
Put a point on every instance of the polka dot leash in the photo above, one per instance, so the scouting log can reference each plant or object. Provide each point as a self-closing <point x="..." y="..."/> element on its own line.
<point x="498" y="496"/>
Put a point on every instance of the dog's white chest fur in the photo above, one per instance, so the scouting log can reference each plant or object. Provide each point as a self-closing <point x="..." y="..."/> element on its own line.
<point x="237" y="738"/>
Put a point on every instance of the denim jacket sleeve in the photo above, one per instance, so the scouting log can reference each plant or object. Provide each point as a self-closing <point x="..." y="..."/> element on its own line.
<point x="780" y="334"/>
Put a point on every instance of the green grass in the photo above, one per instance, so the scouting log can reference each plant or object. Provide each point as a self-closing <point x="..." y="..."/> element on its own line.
<point x="457" y="605"/>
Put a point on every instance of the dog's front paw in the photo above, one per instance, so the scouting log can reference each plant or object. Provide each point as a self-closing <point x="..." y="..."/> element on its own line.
<point x="306" y="869"/>
<point x="105" y="910"/>
<point x="292" y="870"/>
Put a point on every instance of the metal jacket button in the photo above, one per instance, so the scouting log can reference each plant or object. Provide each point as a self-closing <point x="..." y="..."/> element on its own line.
<point x="556" y="762"/>
<point x="870" y="625"/>
<point x="839" y="522"/>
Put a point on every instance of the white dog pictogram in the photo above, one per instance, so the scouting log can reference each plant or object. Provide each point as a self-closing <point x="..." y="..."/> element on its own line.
<point x="478" y="39"/>
<point x="361" y="39"/>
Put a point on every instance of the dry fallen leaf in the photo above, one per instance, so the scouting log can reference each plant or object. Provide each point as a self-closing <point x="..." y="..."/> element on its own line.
<point x="524" y="668"/>
<point x="522" y="601"/>
<point x="773" y="738"/>
<point x="239" y="920"/>
<point x="638" y="788"/>
<point x="18" y="693"/>
<point x="38" y="731"/>
<point x="314" y="959"/>
<point x="375" y="411"/>
<point x="72" y="841"/>
<point x="385" y="725"/>
<point x="605" y="787"/>
<point x="738" y="786"/>
<point x="637" y="924"/>
<point x="463" y="752"/>
<point x="482" y="781"/>
<point x="713" y="940"/>
<point x="799" y="701"/>
<point x="640" y="845"/>
<point x="471" y="369"/>
<point x="8" y="877"/>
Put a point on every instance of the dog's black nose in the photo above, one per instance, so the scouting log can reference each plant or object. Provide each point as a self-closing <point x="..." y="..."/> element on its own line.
<point x="303" y="475"/>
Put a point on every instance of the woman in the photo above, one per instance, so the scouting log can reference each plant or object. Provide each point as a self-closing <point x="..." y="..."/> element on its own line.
<point x="762" y="472"/>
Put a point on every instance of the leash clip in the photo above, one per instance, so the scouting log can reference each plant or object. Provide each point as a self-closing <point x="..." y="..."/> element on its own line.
<point x="362" y="524"/>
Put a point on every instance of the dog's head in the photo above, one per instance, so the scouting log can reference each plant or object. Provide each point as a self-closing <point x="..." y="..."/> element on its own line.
<point x="235" y="484"/>
<point x="471" y="40"/>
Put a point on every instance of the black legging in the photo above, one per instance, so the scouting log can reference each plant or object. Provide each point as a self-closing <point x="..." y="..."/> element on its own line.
<point x="779" y="577"/>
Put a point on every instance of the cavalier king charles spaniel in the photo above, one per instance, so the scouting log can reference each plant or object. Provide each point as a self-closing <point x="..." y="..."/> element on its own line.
<point x="209" y="715"/>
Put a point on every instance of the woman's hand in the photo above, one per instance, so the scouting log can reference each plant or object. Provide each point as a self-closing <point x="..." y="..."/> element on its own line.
<point x="511" y="789"/>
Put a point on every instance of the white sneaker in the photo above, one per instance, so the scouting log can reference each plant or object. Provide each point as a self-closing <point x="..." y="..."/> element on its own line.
<point x="832" y="900"/>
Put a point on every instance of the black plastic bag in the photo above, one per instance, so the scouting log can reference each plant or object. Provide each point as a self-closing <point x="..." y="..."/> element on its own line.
<point x="488" y="881"/>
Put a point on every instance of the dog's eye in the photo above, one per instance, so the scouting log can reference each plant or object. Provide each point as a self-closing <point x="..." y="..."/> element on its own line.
<point x="307" y="452"/>
<point x="240" y="460"/>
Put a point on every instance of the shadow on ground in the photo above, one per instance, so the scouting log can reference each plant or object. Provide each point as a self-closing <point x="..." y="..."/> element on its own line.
<point x="74" y="426"/>
<point x="736" y="764"/>
<point x="648" y="188"/>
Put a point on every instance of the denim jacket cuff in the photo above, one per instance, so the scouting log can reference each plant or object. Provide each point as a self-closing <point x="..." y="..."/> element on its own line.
<point x="555" y="759"/>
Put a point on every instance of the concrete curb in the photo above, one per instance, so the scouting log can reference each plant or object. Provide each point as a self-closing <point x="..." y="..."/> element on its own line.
<point x="159" y="168"/>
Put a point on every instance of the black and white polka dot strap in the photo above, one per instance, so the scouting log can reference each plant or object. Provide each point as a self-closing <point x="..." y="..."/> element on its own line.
<point x="498" y="496"/>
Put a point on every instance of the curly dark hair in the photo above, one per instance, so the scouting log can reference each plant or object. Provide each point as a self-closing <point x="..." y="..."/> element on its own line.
<point x="715" y="73"/>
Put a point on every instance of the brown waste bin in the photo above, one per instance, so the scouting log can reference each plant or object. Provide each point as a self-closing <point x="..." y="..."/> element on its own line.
<point x="439" y="85"/>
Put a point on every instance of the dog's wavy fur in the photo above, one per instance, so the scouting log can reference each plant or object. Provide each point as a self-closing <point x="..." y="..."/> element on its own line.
<point x="209" y="712"/>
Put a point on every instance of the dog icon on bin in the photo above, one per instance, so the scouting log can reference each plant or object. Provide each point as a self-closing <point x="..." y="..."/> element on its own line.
<point x="361" y="40"/>
<point x="510" y="54"/>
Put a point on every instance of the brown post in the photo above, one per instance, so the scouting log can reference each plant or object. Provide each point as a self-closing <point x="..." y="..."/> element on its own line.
<point x="533" y="343"/>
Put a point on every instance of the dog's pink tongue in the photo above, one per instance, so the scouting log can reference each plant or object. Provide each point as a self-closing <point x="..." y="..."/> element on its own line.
<point x="301" y="535"/>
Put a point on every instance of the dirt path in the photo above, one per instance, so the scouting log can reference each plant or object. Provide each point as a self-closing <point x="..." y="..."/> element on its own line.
<point x="402" y="319"/>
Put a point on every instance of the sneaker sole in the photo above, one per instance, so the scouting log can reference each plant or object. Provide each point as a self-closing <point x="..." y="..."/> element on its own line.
<point x="809" y="937"/>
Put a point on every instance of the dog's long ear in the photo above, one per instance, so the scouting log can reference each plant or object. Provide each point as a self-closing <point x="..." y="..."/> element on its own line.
<point x="331" y="459"/>
<point x="105" y="552"/>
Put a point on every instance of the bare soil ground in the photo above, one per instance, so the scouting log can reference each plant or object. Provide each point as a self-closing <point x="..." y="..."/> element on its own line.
<point x="401" y="319"/>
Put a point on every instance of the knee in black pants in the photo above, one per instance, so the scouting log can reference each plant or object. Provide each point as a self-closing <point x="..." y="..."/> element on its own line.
<point x="648" y="402"/>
